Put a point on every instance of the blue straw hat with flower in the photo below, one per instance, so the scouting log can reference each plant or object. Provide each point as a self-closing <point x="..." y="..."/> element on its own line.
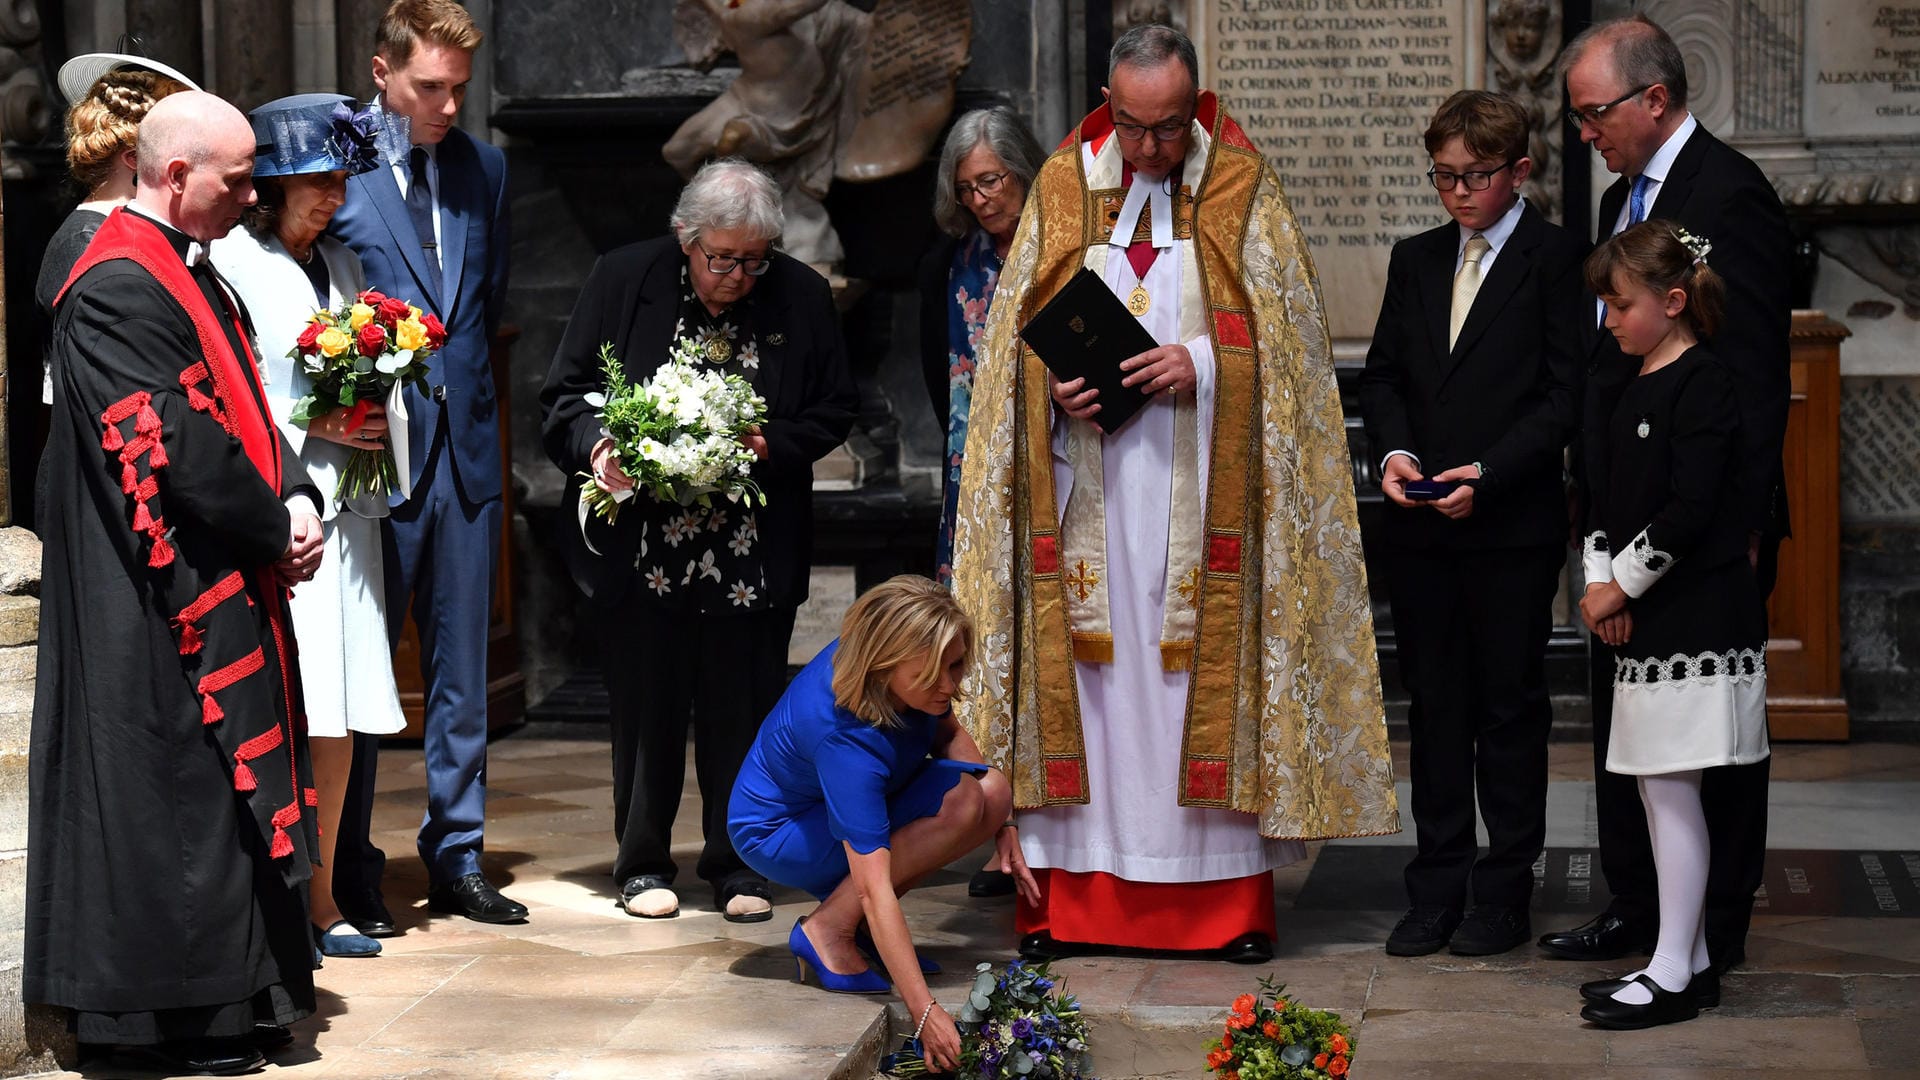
<point x="310" y="133"/>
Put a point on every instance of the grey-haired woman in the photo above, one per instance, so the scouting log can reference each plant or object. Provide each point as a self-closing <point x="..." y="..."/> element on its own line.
<point x="694" y="606"/>
<point x="988" y="162"/>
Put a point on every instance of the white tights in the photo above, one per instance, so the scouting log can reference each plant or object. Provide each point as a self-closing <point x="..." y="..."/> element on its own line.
<point x="1677" y="825"/>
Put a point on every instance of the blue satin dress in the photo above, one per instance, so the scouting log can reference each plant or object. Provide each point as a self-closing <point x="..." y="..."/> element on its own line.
<point x="818" y="775"/>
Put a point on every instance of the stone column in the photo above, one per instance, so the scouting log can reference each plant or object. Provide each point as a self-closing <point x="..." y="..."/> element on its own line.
<point x="354" y="24"/>
<point x="253" y="52"/>
<point x="31" y="1039"/>
<point x="1769" y="115"/>
<point x="170" y="31"/>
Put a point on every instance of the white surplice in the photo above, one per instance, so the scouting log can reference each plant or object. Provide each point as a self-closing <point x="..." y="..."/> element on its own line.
<point x="1132" y="712"/>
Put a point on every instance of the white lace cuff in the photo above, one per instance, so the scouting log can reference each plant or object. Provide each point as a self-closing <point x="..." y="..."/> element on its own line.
<point x="1596" y="558"/>
<point x="1642" y="564"/>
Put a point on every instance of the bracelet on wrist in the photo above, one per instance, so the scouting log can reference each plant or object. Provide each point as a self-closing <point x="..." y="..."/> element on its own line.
<point x="924" y="1013"/>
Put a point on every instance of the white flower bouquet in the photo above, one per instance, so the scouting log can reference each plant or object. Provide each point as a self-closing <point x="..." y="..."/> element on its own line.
<point x="678" y="433"/>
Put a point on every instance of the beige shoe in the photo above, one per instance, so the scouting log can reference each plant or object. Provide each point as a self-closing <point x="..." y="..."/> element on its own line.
<point x="649" y="897"/>
<point x="744" y="908"/>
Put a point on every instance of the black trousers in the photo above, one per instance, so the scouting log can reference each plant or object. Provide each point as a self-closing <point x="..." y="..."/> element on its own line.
<point x="664" y="670"/>
<point x="1733" y="796"/>
<point x="1472" y="629"/>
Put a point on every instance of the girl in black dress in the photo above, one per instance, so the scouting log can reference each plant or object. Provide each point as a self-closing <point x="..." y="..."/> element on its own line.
<point x="1670" y="586"/>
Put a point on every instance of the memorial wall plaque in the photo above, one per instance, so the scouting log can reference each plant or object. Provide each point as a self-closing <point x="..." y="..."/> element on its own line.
<point x="1336" y="94"/>
<point x="1863" y="69"/>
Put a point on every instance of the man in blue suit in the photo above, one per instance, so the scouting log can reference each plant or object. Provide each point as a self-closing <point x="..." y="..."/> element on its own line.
<point x="432" y="228"/>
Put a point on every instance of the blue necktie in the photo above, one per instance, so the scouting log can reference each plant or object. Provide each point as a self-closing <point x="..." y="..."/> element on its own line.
<point x="1637" y="200"/>
<point x="420" y="208"/>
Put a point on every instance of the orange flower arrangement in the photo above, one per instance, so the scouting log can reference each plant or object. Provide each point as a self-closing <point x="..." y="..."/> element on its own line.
<point x="1267" y="1037"/>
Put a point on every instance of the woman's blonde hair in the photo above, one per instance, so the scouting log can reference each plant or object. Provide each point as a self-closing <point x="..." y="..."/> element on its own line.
<point x="899" y="621"/>
<point x="103" y="125"/>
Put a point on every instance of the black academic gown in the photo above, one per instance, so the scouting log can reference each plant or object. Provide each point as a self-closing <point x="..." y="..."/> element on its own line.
<point x="157" y="906"/>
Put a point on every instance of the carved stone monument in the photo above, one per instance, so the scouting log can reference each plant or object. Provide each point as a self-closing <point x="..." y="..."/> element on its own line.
<point x="1522" y="48"/>
<point x="1337" y="94"/>
<point x="825" y="89"/>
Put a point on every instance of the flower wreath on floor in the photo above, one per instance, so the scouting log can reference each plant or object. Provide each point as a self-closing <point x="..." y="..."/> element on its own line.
<point x="1018" y="1023"/>
<point x="1271" y="1038"/>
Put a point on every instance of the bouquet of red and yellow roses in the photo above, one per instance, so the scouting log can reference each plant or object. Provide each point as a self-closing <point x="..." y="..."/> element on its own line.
<point x="1271" y="1038"/>
<point x="364" y="352"/>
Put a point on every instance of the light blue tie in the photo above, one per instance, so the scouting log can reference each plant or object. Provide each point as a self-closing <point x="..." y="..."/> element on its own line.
<point x="1637" y="200"/>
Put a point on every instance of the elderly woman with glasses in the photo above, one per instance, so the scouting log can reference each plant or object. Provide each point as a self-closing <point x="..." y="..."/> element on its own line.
<point x="989" y="159"/>
<point x="694" y="605"/>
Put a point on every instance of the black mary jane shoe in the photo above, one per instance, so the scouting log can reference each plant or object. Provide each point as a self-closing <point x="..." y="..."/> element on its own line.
<point x="1667" y="1007"/>
<point x="1705" y="988"/>
<point x="199" y="1057"/>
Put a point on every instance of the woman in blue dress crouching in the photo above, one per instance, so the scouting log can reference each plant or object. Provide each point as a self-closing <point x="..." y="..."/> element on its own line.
<point x="861" y="783"/>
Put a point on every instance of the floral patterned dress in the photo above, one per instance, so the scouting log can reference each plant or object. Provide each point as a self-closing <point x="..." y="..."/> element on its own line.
<point x="970" y="284"/>
<point x="707" y="559"/>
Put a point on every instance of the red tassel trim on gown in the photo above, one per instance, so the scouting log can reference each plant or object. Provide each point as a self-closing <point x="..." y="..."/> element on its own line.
<point x="1101" y="909"/>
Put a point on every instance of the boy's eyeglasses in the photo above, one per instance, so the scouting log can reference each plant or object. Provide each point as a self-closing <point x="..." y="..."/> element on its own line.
<point x="1475" y="181"/>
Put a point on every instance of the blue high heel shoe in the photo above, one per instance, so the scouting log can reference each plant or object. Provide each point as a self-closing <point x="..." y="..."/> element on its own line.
<point x="864" y="942"/>
<point x="865" y="982"/>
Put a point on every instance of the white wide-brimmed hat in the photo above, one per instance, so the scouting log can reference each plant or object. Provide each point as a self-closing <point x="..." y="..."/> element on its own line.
<point x="78" y="75"/>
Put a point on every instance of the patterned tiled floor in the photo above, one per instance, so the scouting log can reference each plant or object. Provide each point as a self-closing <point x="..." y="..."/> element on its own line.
<point x="582" y="990"/>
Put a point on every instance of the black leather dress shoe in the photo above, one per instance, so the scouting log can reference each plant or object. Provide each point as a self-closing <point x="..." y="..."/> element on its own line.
<point x="473" y="897"/>
<point x="1667" y="1007"/>
<point x="990" y="883"/>
<point x="1705" y="988"/>
<point x="369" y="915"/>
<point x="1248" y="949"/>
<point x="270" y="1037"/>
<point x="1043" y="946"/>
<point x="1423" y="930"/>
<point x="199" y="1057"/>
<point x="1606" y="937"/>
<point x="1488" y="931"/>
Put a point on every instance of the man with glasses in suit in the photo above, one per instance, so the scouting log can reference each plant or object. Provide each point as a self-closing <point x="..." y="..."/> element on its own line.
<point x="1627" y="85"/>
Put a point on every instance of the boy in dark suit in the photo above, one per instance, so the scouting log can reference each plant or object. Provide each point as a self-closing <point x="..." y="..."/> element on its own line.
<point x="1469" y="395"/>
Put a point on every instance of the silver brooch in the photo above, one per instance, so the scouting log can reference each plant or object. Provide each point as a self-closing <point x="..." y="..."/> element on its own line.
<point x="1645" y="429"/>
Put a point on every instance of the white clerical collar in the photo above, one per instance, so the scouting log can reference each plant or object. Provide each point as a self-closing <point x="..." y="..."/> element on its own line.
<point x="1157" y="194"/>
<point x="1663" y="158"/>
<point x="196" y="251"/>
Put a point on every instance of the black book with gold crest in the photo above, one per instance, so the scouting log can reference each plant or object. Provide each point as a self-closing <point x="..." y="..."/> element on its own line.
<point x="1085" y="332"/>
